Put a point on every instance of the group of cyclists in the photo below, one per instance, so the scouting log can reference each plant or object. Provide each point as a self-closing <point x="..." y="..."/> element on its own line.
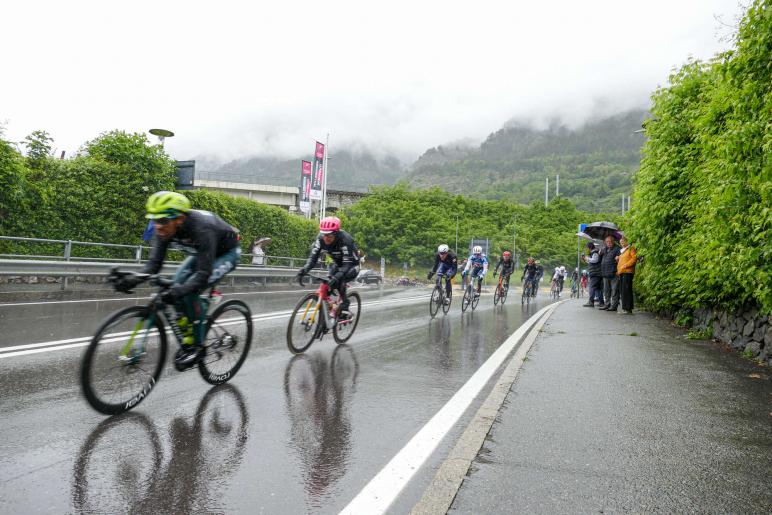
<point x="213" y="248"/>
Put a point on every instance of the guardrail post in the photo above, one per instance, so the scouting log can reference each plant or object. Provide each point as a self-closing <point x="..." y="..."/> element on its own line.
<point x="292" y="263"/>
<point x="138" y="254"/>
<point x="67" y="254"/>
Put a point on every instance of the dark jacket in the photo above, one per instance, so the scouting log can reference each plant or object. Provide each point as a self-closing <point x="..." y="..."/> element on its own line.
<point x="594" y="268"/>
<point x="507" y="267"/>
<point x="608" y="262"/>
<point x="343" y="251"/>
<point x="451" y="261"/>
<point x="202" y="234"/>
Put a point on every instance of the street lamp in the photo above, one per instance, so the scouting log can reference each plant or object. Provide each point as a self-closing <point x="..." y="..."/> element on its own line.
<point x="162" y="134"/>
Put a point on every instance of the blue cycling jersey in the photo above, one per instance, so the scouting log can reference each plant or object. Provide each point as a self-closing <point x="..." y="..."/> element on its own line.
<point x="480" y="261"/>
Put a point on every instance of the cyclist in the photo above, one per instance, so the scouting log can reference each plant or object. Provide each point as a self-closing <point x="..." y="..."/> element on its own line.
<point x="530" y="275"/>
<point x="507" y="265"/>
<point x="539" y="275"/>
<point x="213" y="250"/>
<point x="344" y="267"/>
<point x="476" y="267"/>
<point x="446" y="263"/>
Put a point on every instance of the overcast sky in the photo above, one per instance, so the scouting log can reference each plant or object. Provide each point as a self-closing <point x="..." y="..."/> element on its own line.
<point x="233" y="79"/>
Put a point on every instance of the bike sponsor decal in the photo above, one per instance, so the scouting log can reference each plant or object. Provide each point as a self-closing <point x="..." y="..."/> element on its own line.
<point x="219" y="378"/>
<point x="141" y="395"/>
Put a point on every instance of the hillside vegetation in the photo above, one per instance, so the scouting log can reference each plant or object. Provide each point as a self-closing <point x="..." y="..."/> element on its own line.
<point x="596" y="163"/>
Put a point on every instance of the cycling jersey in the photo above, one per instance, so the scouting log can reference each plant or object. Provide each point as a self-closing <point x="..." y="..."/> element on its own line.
<point x="450" y="263"/>
<point x="477" y="264"/>
<point x="529" y="271"/>
<point x="203" y="235"/>
<point x="343" y="251"/>
<point x="507" y="267"/>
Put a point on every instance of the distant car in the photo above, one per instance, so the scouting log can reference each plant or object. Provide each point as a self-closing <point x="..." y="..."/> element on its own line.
<point x="369" y="277"/>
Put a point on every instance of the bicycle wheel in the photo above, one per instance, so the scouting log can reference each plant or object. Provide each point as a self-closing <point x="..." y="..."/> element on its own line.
<point x="497" y="295"/>
<point x="343" y="329"/>
<point x="435" y="301"/>
<point x="304" y="324"/>
<point x="475" y="300"/>
<point x="124" y="360"/>
<point x="467" y="299"/>
<point x="447" y="299"/>
<point x="227" y="342"/>
<point x="504" y="292"/>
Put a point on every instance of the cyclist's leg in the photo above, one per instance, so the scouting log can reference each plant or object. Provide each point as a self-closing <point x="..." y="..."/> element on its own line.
<point x="224" y="264"/>
<point x="186" y="305"/>
<point x="350" y="276"/>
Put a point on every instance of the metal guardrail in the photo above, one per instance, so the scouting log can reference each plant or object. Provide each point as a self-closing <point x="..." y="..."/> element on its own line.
<point x="67" y="265"/>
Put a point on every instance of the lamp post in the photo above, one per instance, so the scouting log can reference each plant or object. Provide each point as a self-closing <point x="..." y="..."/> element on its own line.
<point x="162" y="134"/>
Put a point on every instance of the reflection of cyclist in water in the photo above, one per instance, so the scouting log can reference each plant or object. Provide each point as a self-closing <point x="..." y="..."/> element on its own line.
<point x="318" y="388"/>
<point x="205" y="452"/>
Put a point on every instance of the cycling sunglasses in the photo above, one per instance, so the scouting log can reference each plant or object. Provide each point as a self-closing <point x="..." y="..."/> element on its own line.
<point x="162" y="221"/>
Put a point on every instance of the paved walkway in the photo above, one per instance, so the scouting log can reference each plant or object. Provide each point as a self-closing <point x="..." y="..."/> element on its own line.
<point x="621" y="413"/>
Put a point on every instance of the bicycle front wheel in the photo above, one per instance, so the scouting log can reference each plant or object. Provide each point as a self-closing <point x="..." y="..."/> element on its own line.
<point x="124" y="360"/>
<point x="304" y="324"/>
<point x="504" y="292"/>
<point x="435" y="301"/>
<point x="343" y="329"/>
<point x="446" y="305"/>
<point x="496" y="295"/>
<point x="467" y="298"/>
<point x="475" y="300"/>
<point x="227" y="342"/>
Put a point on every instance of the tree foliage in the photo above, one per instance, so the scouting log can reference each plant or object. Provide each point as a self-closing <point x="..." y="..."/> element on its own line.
<point x="404" y="225"/>
<point x="702" y="215"/>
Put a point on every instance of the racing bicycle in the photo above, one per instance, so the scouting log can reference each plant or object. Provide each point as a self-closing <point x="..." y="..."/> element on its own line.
<point x="470" y="294"/>
<point x="124" y="360"/>
<point x="500" y="294"/>
<point x="317" y="313"/>
<point x="439" y="297"/>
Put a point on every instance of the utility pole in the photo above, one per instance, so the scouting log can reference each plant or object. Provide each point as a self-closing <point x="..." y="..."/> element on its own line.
<point x="623" y="203"/>
<point x="323" y="204"/>
<point x="546" y="191"/>
<point x="557" y="187"/>
<point x="457" y="235"/>
<point x="514" y="242"/>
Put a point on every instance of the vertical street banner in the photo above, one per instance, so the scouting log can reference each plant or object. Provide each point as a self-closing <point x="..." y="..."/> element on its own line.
<point x="304" y="195"/>
<point x="317" y="178"/>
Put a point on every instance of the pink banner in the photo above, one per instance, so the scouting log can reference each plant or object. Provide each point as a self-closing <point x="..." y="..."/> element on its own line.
<point x="304" y="196"/>
<point x="317" y="178"/>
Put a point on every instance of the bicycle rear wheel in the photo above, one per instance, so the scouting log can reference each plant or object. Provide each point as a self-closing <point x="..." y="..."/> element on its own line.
<point x="435" y="301"/>
<point x="227" y="343"/>
<point x="448" y="298"/>
<point x="304" y="324"/>
<point x="475" y="300"/>
<point x="344" y="329"/>
<point x="124" y="360"/>
<point x="504" y="292"/>
<point x="497" y="295"/>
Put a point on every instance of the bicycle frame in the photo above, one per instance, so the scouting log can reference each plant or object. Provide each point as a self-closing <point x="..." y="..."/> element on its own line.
<point x="324" y="304"/>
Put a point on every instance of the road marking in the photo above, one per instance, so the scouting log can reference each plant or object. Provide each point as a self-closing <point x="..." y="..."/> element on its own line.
<point x="439" y="496"/>
<point x="383" y="489"/>
<point x="70" y="343"/>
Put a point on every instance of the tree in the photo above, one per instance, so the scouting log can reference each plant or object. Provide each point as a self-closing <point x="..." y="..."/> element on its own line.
<point x="39" y="148"/>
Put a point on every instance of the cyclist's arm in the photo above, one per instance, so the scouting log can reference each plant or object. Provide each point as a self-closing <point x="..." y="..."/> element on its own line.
<point x="348" y="258"/>
<point x="206" y="251"/>
<point x="157" y="255"/>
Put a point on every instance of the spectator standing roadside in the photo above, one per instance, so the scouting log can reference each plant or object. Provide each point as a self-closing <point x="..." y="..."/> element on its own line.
<point x="258" y="254"/>
<point x="608" y="269"/>
<point x="626" y="269"/>
<point x="596" y="279"/>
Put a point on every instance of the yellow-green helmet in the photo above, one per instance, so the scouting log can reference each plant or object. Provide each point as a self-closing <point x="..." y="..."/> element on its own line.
<point x="166" y="204"/>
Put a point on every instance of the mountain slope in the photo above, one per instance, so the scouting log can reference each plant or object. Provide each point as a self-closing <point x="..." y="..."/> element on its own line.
<point x="596" y="163"/>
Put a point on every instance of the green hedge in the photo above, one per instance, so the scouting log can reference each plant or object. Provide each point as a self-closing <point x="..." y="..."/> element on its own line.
<point x="702" y="215"/>
<point x="100" y="196"/>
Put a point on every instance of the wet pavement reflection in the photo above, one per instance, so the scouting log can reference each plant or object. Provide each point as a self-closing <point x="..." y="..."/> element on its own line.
<point x="317" y="390"/>
<point x="122" y="466"/>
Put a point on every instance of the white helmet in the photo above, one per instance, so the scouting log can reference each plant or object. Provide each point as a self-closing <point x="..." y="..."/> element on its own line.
<point x="442" y="249"/>
<point x="477" y="249"/>
<point x="562" y="269"/>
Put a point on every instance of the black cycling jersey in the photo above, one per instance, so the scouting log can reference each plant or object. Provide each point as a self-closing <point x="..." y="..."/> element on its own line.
<point x="507" y="267"/>
<point x="450" y="260"/>
<point x="202" y="234"/>
<point x="530" y="271"/>
<point x="343" y="251"/>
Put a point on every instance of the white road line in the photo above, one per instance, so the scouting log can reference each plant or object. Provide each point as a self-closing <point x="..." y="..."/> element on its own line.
<point x="70" y="343"/>
<point x="383" y="489"/>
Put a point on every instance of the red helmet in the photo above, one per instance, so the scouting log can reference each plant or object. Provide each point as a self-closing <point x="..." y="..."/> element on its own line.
<point x="507" y="254"/>
<point x="329" y="225"/>
<point x="531" y="260"/>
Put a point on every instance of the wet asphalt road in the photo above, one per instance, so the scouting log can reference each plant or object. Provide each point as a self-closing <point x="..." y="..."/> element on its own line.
<point x="286" y="435"/>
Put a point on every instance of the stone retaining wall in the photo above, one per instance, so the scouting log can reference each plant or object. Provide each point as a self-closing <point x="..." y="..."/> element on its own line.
<point x="744" y="329"/>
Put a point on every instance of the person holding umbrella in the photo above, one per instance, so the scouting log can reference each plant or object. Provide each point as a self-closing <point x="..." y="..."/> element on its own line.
<point x="608" y="268"/>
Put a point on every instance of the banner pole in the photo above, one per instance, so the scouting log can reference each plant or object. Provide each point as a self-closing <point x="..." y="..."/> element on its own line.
<point x="324" y="178"/>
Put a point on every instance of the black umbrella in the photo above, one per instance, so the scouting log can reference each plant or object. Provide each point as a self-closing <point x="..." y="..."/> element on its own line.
<point x="599" y="230"/>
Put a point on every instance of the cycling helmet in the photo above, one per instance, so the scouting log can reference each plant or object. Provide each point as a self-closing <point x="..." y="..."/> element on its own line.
<point x="166" y="204"/>
<point x="477" y="249"/>
<point x="506" y="254"/>
<point x="329" y="225"/>
<point x="562" y="269"/>
<point x="442" y="249"/>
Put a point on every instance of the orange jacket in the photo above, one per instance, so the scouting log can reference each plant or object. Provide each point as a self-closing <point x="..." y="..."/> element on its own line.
<point x="627" y="259"/>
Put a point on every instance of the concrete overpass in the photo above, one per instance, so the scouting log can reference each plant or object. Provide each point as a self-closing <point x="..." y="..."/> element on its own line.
<point x="283" y="196"/>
